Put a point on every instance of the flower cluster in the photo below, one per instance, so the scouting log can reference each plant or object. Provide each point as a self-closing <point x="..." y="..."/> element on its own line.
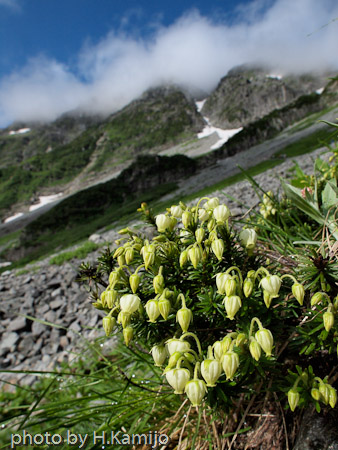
<point x="267" y="207"/>
<point x="200" y="296"/>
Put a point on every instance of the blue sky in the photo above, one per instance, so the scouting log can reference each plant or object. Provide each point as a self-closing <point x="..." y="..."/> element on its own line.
<point x="59" y="55"/>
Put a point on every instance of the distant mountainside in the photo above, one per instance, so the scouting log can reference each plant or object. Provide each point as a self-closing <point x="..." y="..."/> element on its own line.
<point x="76" y="151"/>
<point x="245" y="95"/>
<point x="84" y="157"/>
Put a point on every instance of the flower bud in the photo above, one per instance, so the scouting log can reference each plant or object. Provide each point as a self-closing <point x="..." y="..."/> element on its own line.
<point x="217" y="246"/>
<point x="123" y="318"/>
<point x="230" y="363"/>
<point x="174" y="359"/>
<point x="203" y="215"/>
<point x="293" y="398"/>
<point x="317" y="298"/>
<point x="212" y="203"/>
<point x="211" y="225"/>
<point x="114" y="277"/>
<point x="183" y="258"/>
<point x="199" y="234"/>
<point x="128" y="333"/>
<point x="134" y="281"/>
<point x="195" y="390"/>
<point x="240" y="340"/>
<point x="220" y="282"/>
<point x="248" y="238"/>
<point x="221" y="214"/>
<point x="129" y="303"/>
<point x="111" y="296"/>
<point x="315" y="394"/>
<point x="226" y="343"/>
<point x="271" y="284"/>
<point x="159" y="354"/>
<point x="121" y="260"/>
<point x="118" y="252"/>
<point x="324" y="392"/>
<point x="232" y="305"/>
<point x="108" y="323"/>
<point x="163" y="222"/>
<point x="230" y="286"/>
<point x="152" y="310"/>
<point x="176" y="211"/>
<point x="164" y="307"/>
<point x="194" y="256"/>
<point x="186" y="218"/>
<point x="158" y="283"/>
<point x="298" y="292"/>
<point x="211" y="370"/>
<point x="129" y="255"/>
<point x="328" y="320"/>
<point x="218" y="350"/>
<point x="265" y="339"/>
<point x="177" y="345"/>
<point x="173" y="222"/>
<point x="103" y="298"/>
<point x="148" y="254"/>
<point x="332" y="396"/>
<point x="184" y="317"/>
<point x="178" y="378"/>
<point x="248" y="286"/>
<point x="255" y="349"/>
<point x="267" y="298"/>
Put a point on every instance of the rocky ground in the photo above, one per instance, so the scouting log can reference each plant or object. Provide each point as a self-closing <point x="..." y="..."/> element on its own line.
<point x="51" y="293"/>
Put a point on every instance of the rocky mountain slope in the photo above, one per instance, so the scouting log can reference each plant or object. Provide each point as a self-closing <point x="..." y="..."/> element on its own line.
<point x="245" y="95"/>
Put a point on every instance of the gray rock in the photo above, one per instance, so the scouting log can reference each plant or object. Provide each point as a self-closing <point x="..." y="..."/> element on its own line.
<point x="38" y="328"/>
<point x="50" y="316"/>
<point x="50" y="348"/>
<point x="74" y="327"/>
<point x="55" y="304"/>
<point x="28" y="301"/>
<point x="27" y="280"/>
<point x="318" y="431"/>
<point x="57" y="292"/>
<point x="20" y="323"/>
<point x="8" y="340"/>
<point x="44" y="308"/>
<point x="26" y="345"/>
<point x="96" y="238"/>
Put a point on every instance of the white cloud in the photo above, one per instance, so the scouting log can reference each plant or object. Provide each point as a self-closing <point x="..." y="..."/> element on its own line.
<point x="195" y="51"/>
<point x="13" y="4"/>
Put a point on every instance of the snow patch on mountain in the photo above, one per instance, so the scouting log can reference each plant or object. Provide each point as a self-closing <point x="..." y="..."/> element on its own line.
<point x="20" y="131"/>
<point x="44" y="200"/>
<point x="224" y="135"/>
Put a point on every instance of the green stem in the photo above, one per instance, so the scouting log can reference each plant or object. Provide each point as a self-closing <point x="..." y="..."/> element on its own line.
<point x="139" y="267"/>
<point x="188" y="333"/>
<point x="197" y="368"/>
<point x="261" y="269"/>
<point x="111" y="312"/>
<point x="210" y="352"/>
<point x="183" y="300"/>
<point x="178" y="364"/>
<point x="289" y="276"/>
<point x="296" y="382"/>
<point x="239" y="274"/>
<point x="259" y="323"/>
<point x="197" y="206"/>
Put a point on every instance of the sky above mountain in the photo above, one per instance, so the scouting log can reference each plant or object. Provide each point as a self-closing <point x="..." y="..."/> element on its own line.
<point x="98" y="55"/>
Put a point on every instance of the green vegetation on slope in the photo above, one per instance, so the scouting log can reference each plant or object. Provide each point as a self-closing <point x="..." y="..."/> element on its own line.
<point x="78" y="216"/>
<point x="19" y="183"/>
<point x="147" y="124"/>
